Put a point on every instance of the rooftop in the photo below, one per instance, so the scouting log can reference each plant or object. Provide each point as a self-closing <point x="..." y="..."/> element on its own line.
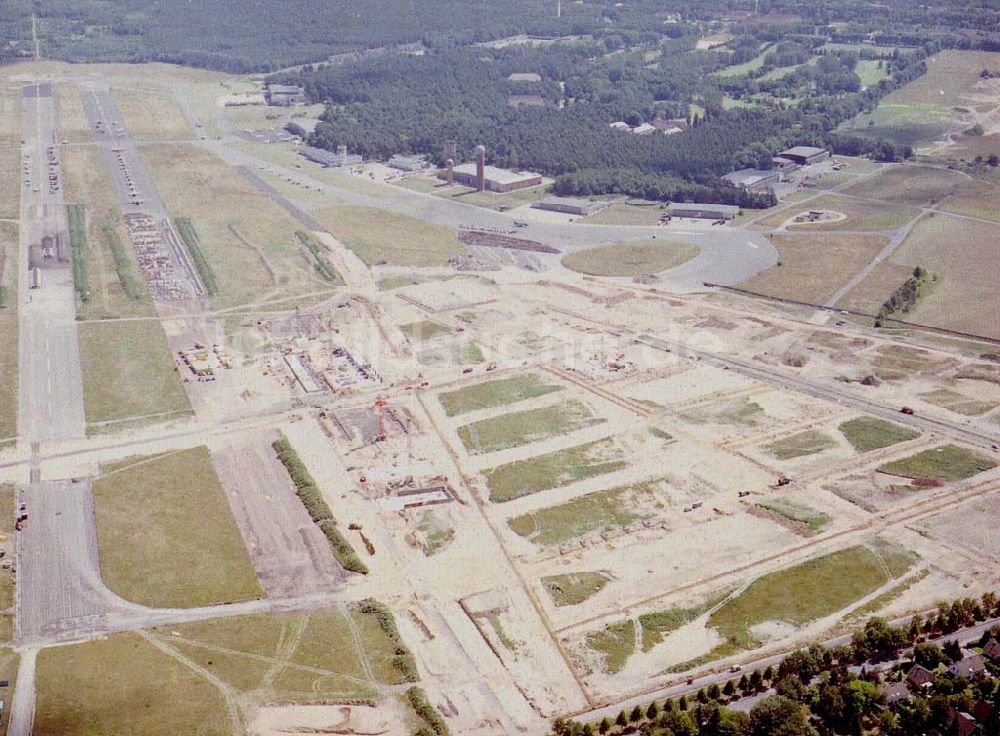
<point x="719" y="209"/>
<point x="806" y="151"/>
<point x="749" y="177"/>
<point x="525" y="77"/>
<point x="494" y="173"/>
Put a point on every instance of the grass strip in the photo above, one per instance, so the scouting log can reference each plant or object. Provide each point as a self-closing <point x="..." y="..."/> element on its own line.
<point x="76" y="222"/>
<point x="316" y="506"/>
<point x="190" y="236"/>
<point x="123" y="267"/>
<point x="323" y="266"/>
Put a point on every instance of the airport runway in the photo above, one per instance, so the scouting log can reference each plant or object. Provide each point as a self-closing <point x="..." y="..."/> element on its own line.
<point x="50" y="395"/>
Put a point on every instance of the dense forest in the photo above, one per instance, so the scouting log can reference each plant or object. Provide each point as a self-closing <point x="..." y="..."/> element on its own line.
<point x="254" y="36"/>
<point x="401" y="103"/>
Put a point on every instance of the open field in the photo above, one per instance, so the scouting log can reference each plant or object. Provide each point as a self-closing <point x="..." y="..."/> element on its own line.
<point x="424" y="330"/>
<point x="152" y="115"/>
<point x="921" y="111"/>
<point x="498" y="392"/>
<point x="868" y="433"/>
<point x="8" y="512"/>
<point x="249" y="241"/>
<point x="600" y="510"/>
<point x="615" y="642"/>
<point x="799" y="594"/>
<point x="631" y="258"/>
<point x="8" y="331"/>
<point x="946" y="463"/>
<point x="129" y="373"/>
<point x="961" y="256"/>
<point x="10" y="183"/>
<point x="382" y="237"/>
<point x="524" y="427"/>
<point x="859" y="215"/>
<point x="87" y="183"/>
<point x="812" y="267"/>
<point x="572" y="588"/>
<point x="166" y="533"/>
<point x="958" y="403"/>
<point x="917" y="186"/>
<point x="555" y="469"/>
<point x="141" y="690"/>
<point x="10" y="116"/>
<point x="657" y="624"/>
<point x="73" y="124"/>
<point x="9" y="661"/>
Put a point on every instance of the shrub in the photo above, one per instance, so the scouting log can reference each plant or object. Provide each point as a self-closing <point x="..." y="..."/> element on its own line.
<point x="422" y="707"/>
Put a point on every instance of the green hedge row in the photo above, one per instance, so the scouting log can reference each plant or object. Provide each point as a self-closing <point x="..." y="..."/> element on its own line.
<point x="193" y="243"/>
<point x="323" y="267"/>
<point x="76" y="223"/>
<point x="317" y="508"/>
<point x="422" y="707"/>
<point x="402" y="660"/>
<point x="123" y="266"/>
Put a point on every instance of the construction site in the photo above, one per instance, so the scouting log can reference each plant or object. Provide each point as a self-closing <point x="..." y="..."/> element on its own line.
<point x="533" y="468"/>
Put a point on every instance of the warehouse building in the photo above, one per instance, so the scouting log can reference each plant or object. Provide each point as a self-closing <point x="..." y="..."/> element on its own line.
<point x="301" y="127"/>
<point x="524" y="77"/>
<point x="495" y="179"/>
<point x="408" y="163"/>
<point x="804" y="155"/>
<point x="753" y="180"/>
<point x="329" y="158"/>
<point x="569" y="205"/>
<point x="702" y="211"/>
<point x="285" y="95"/>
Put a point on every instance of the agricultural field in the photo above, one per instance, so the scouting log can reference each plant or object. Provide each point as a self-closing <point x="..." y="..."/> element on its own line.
<point x="812" y="267"/>
<point x="129" y="374"/>
<point x="643" y="258"/>
<point x="553" y="470"/>
<point x="380" y="237"/>
<point x="498" y="392"/>
<point x="596" y="511"/>
<point x="922" y="110"/>
<point x="166" y="534"/>
<point x="524" y="427"/>
<point x="961" y="256"/>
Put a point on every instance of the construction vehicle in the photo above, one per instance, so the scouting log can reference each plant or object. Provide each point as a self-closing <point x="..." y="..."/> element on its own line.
<point x="907" y="410"/>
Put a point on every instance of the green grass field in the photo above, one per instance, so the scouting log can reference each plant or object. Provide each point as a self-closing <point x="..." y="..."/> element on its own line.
<point x="166" y="533"/>
<point x="658" y="624"/>
<point x="615" y="507"/>
<point x="859" y="215"/>
<point x="524" y="427"/>
<point x="569" y="589"/>
<point x="424" y="330"/>
<point x="627" y="213"/>
<point x="915" y="186"/>
<point x="945" y="463"/>
<point x="383" y="237"/>
<point x="868" y="433"/>
<point x="498" y="392"/>
<point x="800" y="594"/>
<point x="128" y="374"/>
<point x="615" y="643"/>
<point x="814" y="520"/>
<point x="553" y="470"/>
<point x="640" y="258"/>
<point x="805" y="443"/>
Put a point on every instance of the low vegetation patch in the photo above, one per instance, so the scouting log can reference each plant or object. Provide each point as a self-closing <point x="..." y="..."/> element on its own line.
<point x="424" y="330"/>
<point x="524" y="427"/>
<point x="956" y="402"/>
<point x="641" y="258"/>
<point x="800" y="594"/>
<point x="615" y="642"/>
<point x="402" y="659"/>
<point x="498" y="392"/>
<point x="316" y="506"/>
<point x="946" y="463"/>
<point x="572" y="588"/>
<point x="322" y="264"/>
<point x="553" y="470"/>
<point x="805" y="443"/>
<point x="599" y="510"/>
<point x="905" y="297"/>
<point x="190" y="236"/>
<point x="868" y="433"/>
<point x="658" y="624"/>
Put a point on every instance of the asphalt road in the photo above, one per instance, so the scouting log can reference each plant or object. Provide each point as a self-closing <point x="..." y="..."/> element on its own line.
<point x="50" y="386"/>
